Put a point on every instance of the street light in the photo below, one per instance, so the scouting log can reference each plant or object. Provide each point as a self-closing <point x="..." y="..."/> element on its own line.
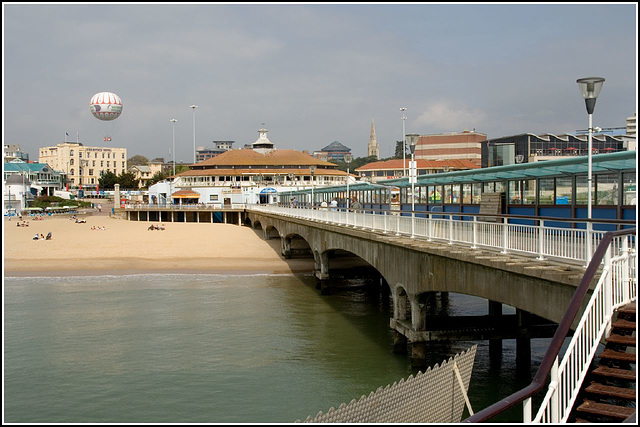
<point x="590" y="88"/>
<point x="173" y="124"/>
<point x="348" y="158"/>
<point x="313" y="170"/>
<point x="413" y="176"/>
<point x="193" y="107"/>
<point x="404" y="141"/>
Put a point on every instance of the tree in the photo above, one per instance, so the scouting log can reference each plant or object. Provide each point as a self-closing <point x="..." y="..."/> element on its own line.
<point x="107" y="180"/>
<point x="128" y="180"/>
<point x="157" y="177"/>
<point x="137" y="160"/>
<point x="398" y="154"/>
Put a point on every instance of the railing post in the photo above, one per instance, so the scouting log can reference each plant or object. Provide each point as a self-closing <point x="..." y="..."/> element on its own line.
<point x="587" y="257"/>
<point x="429" y="228"/>
<point x="626" y="284"/>
<point x="526" y="411"/>
<point x="385" y="222"/>
<point x="555" y="399"/>
<point x="450" y="229"/>
<point x="475" y="233"/>
<point x="505" y="234"/>
<point x="398" y="222"/>
<point x="541" y="240"/>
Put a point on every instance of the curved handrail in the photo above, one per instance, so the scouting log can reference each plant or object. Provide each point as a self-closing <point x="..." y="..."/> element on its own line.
<point x="564" y="326"/>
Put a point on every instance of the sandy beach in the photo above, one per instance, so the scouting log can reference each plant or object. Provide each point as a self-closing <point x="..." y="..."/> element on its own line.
<point x="127" y="247"/>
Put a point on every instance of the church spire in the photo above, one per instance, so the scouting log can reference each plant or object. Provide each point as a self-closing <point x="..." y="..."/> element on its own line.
<point x="372" y="148"/>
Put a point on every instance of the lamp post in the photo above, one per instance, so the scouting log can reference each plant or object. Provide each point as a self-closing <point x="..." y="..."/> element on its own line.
<point x="404" y="141"/>
<point x="173" y="124"/>
<point x="413" y="175"/>
<point x="313" y="170"/>
<point x="590" y="88"/>
<point x="348" y="158"/>
<point x="193" y="107"/>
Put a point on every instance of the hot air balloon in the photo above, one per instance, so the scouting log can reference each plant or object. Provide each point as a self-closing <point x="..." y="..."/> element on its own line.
<point x="106" y="106"/>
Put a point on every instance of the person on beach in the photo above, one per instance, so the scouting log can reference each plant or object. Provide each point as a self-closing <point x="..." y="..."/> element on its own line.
<point x="36" y="237"/>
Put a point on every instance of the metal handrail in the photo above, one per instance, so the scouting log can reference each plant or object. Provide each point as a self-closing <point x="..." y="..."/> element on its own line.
<point x="559" y="337"/>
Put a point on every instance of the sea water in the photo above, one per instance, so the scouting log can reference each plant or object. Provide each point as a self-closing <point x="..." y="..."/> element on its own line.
<point x="210" y="349"/>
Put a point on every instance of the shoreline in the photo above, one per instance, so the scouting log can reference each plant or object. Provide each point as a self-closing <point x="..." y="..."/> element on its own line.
<point x="128" y="247"/>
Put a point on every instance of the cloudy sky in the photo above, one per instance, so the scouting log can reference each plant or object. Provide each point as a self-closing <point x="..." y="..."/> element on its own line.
<point x="312" y="74"/>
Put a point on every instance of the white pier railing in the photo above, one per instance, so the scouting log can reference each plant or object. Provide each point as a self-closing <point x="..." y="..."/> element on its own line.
<point x="567" y="242"/>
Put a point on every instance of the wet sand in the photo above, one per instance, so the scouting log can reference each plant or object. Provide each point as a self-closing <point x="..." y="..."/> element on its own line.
<point x="128" y="247"/>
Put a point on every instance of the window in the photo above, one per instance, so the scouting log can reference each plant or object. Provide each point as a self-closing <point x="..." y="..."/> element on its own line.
<point x="529" y="191"/>
<point x="71" y="162"/>
<point x="564" y="192"/>
<point x="514" y="193"/>
<point x="477" y="194"/>
<point x="466" y="193"/>
<point x="213" y="197"/>
<point x="546" y="195"/>
<point x="581" y="190"/>
<point x="629" y="188"/>
<point x="607" y="189"/>
<point x="90" y="171"/>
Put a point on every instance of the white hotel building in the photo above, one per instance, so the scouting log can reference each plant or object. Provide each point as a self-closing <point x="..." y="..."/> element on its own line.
<point x="82" y="165"/>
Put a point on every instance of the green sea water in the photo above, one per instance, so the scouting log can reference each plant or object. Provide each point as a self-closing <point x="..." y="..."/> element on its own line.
<point x="207" y="349"/>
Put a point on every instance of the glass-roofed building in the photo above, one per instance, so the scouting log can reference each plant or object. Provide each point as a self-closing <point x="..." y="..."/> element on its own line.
<point x="553" y="188"/>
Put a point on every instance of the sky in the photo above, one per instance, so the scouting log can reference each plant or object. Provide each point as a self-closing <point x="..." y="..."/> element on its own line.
<point x="312" y="73"/>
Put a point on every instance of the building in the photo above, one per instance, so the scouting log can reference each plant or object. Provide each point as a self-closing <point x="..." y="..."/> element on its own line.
<point x="390" y="169"/>
<point x="373" y="150"/>
<point x="334" y="151"/>
<point x="13" y="152"/>
<point x="631" y="125"/>
<point x="44" y="181"/>
<point x="203" y="153"/>
<point x="82" y="166"/>
<point x="249" y="175"/>
<point x="528" y="147"/>
<point x="466" y="145"/>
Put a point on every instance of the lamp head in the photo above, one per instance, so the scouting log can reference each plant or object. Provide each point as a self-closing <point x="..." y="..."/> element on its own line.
<point x="312" y="169"/>
<point x="348" y="158"/>
<point x="412" y="139"/>
<point x="590" y="88"/>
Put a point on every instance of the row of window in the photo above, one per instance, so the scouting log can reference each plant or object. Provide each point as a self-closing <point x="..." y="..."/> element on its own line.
<point x="607" y="189"/>
<point x="71" y="163"/>
<point x="228" y="178"/>
<point x="95" y="154"/>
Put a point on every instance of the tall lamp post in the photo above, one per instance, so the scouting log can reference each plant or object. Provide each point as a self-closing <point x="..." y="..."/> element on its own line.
<point x="313" y="171"/>
<point x="193" y="107"/>
<point x="404" y="142"/>
<point x="173" y="124"/>
<point x="590" y="88"/>
<point x="348" y="158"/>
<point x="412" y="138"/>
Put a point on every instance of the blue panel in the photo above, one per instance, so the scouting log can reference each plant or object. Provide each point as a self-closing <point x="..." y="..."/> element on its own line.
<point x="524" y="211"/>
<point x="557" y="212"/>
<point x="629" y="213"/>
<point x="217" y="216"/>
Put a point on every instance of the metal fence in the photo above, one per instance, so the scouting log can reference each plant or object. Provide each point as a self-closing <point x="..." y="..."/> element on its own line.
<point x="569" y="240"/>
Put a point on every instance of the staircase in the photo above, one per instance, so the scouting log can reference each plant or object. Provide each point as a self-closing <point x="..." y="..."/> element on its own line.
<point x="609" y="392"/>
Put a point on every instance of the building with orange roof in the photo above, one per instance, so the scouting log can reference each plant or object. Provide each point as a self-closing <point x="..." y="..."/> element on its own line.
<point x="255" y="175"/>
<point x="390" y="169"/>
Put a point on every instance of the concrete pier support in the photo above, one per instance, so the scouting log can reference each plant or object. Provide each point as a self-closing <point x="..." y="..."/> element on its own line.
<point x="495" y="346"/>
<point x="286" y="247"/>
<point x="399" y="343"/>
<point x="523" y="342"/>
